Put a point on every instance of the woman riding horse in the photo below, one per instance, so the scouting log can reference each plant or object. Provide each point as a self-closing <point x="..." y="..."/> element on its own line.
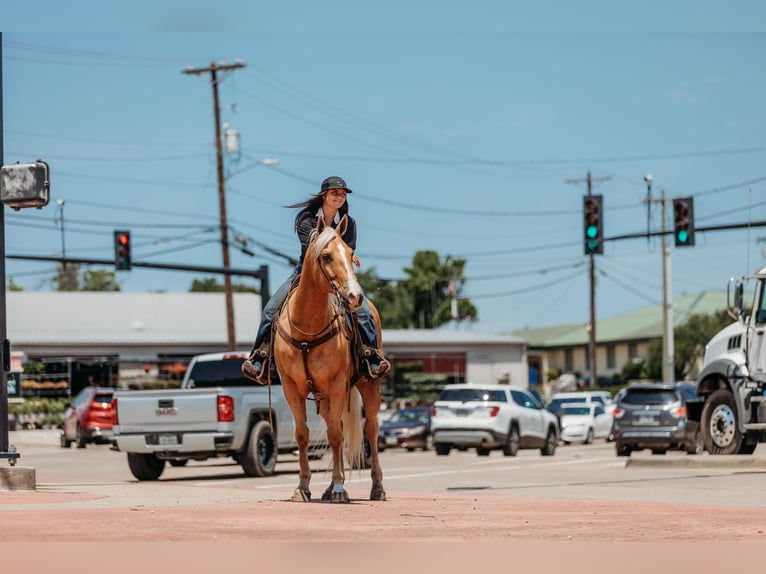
<point x="330" y="205"/>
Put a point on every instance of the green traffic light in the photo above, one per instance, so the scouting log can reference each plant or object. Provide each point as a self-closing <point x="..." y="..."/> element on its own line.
<point x="591" y="246"/>
<point x="591" y="231"/>
<point x="683" y="236"/>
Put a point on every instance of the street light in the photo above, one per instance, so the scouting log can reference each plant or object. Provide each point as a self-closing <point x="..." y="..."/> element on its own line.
<point x="266" y="162"/>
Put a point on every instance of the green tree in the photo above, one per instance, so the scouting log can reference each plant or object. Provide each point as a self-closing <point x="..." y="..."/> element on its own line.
<point x="211" y="285"/>
<point x="11" y="286"/>
<point x="99" y="280"/>
<point x="392" y="302"/>
<point x="689" y="342"/>
<point x="67" y="277"/>
<point x="428" y="285"/>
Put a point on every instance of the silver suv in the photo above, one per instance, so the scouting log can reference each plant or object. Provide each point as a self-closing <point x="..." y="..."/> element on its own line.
<point x="488" y="417"/>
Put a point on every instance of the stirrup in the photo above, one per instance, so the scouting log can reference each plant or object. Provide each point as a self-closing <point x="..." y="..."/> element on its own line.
<point x="381" y="369"/>
<point x="249" y="369"/>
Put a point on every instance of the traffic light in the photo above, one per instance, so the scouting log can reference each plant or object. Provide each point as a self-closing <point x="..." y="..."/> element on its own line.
<point x="122" y="250"/>
<point x="683" y="221"/>
<point x="593" y="225"/>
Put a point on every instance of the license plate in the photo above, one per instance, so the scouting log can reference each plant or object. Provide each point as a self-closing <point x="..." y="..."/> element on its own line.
<point x="168" y="439"/>
<point x="647" y="420"/>
<point x="391" y="441"/>
<point x="463" y="412"/>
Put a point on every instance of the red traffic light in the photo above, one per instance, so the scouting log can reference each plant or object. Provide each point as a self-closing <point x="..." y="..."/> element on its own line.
<point x="122" y="257"/>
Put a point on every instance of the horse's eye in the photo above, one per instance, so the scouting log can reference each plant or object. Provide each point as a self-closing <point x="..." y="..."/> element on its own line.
<point x="326" y="257"/>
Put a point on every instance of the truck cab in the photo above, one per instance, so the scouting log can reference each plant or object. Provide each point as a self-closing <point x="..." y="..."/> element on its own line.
<point x="732" y="383"/>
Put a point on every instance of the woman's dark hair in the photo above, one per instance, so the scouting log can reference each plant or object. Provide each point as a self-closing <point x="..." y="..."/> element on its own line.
<point x="312" y="205"/>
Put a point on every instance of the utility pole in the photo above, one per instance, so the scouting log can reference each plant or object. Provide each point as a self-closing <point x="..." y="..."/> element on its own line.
<point x="213" y="70"/>
<point x="592" y="281"/>
<point x="668" y="343"/>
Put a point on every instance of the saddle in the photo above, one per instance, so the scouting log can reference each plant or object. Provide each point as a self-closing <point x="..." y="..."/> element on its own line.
<point x="346" y="324"/>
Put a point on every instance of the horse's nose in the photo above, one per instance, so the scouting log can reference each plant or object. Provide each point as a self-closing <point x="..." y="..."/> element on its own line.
<point x="354" y="298"/>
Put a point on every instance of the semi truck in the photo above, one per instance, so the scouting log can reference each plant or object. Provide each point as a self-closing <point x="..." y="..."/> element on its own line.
<point x="731" y="386"/>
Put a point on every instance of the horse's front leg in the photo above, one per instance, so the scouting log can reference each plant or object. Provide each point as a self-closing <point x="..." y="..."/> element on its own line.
<point x="370" y="392"/>
<point x="331" y="412"/>
<point x="298" y="406"/>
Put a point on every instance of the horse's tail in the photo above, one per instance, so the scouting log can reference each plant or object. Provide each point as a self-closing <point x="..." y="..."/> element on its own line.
<point x="353" y="436"/>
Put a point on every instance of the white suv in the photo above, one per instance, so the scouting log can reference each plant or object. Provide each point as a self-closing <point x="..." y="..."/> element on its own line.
<point x="488" y="417"/>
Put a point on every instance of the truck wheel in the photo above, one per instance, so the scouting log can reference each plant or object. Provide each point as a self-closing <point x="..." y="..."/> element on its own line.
<point x="719" y="424"/>
<point x="442" y="449"/>
<point x="260" y="456"/>
<point x="549" y="448"/>
<point x="145" y="466"/>
<point x="482" y="451"/>
<point x="511" y="446"/>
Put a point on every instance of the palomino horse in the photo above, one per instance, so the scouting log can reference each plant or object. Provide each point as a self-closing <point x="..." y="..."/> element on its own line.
<point x="313" y="356"/>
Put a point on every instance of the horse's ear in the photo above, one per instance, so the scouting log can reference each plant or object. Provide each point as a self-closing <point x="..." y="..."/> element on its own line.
<point x="320" y="225"/>
<point x="342" y="225"/>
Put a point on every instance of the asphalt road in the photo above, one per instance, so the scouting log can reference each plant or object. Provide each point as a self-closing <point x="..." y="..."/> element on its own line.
<point x="583" y="494"/>
<point x="583" y="472"/>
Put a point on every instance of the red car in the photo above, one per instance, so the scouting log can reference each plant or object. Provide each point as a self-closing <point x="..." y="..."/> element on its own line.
<point x="89" y="418"/>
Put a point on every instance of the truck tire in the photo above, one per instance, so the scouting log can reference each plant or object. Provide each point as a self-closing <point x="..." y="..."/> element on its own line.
<point x="145" y="466"/>
<point x="260" y="455"/>
<point x="442" y="449"/>
<point x="720" y="424"/>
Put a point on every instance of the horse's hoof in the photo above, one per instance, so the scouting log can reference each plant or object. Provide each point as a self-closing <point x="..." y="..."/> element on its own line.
<point x="335" y="496"/>
<point x="302" y="495"/>
<point x="340" y="497"/>
<point x="378" y="494"/>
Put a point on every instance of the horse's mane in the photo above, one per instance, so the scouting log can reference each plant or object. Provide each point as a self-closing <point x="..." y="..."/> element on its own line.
<point x="320" y="241"/>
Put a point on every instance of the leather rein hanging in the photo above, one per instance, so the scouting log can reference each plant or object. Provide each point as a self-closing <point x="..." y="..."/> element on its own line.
<point x="330" y="330"/>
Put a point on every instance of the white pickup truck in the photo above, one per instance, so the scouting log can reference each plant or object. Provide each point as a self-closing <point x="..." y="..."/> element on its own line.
<point x="217" y="412"/>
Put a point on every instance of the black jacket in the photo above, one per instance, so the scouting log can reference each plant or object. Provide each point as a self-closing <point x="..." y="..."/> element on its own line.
<point x="307" y="222"/>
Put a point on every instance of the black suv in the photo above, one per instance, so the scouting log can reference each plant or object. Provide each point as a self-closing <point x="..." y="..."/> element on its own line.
<point x="653" y="415"/>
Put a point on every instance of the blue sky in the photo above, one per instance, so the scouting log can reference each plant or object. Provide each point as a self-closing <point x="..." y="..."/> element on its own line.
<point x="458" y="130"/>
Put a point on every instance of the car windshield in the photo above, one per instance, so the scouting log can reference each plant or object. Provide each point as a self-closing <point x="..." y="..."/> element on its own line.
<point x="467" y="395"/>
<point x="649" y="397"/>
<point x="409" y="416"/>
<point x="575" y="411"/>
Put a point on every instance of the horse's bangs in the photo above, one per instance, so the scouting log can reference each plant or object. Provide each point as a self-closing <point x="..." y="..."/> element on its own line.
<point x="320" y="241"/>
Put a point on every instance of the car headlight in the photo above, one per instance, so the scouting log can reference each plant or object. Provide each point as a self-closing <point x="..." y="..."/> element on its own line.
<point x="416" y="430"/>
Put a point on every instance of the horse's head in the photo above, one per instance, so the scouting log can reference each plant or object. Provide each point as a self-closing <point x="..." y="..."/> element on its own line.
<point x="335" y="261"/>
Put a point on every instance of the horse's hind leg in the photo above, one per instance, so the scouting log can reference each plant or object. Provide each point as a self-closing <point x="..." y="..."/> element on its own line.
<point x="370" y="392"/>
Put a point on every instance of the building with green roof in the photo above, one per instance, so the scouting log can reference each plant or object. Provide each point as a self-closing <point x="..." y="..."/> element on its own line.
<point x="618" y="339"/>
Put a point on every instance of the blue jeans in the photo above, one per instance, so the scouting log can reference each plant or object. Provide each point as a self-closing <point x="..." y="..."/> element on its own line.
<point x="363" y="316"/>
